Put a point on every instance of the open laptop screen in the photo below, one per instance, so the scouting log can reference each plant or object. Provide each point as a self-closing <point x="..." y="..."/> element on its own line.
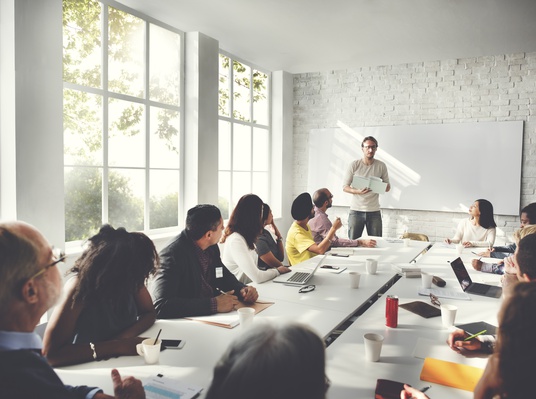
<point x="461" y="273"/>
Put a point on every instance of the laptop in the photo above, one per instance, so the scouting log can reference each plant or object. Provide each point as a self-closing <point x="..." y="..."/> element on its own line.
<point x="299" y="276"/>
<point x="467" y="284"/>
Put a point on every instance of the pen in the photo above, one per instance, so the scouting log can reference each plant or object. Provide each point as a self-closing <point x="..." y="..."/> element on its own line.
<point x="426" y="388"/>
<point x="223" y="292"/>
<point x="475" y="335"/>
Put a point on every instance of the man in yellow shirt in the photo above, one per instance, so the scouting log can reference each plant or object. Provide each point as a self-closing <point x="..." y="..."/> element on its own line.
<point x="300" y="244"/>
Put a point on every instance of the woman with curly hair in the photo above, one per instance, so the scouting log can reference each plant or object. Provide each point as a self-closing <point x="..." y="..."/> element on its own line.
<point x="106" y="303"/>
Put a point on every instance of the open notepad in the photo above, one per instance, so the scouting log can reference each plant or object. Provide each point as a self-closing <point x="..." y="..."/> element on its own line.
<point x="231" y="319"/>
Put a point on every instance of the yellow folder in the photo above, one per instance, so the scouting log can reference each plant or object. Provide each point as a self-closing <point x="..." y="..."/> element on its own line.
<point x="451" y="374"/>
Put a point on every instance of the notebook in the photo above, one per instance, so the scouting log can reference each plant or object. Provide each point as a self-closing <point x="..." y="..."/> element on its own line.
<point x="467" y="284"/>
<point x="299" y="276"/>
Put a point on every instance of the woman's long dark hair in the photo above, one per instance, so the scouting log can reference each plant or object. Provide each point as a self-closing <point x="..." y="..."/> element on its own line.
<point x="246" y="219"/>
<point x="116" y="263"/>
<point x="486" y="214"/>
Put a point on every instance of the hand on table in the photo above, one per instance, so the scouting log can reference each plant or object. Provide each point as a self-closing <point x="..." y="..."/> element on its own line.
<point x="127" y="388"/>
<point x="411" y="393"/>
<point x="477" y="264"/>
<point x="249" y="294"/>
<point x="366" y="243"/>
<point x="283" y="269"/>
<point x="226" y="302"/>
<point x="456" y="341"/>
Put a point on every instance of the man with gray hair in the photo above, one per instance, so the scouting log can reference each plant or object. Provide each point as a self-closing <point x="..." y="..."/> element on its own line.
<point x="30" y="284"/>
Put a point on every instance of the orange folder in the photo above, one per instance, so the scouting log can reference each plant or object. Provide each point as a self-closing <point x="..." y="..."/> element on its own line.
<point x="451" y="374"/>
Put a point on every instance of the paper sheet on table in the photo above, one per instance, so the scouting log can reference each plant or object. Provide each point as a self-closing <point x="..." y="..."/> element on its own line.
<point x="231" y="319"/>
<point x="450" y="374"/>
<point x="168" y="388"/>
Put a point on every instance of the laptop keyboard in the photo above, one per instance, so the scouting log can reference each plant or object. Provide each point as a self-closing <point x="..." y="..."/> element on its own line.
<point x="298" y="277"/>
<point x="479" y="288"/>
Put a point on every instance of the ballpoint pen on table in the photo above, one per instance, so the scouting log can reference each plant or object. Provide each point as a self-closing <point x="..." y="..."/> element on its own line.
<point x="475" y="335"/>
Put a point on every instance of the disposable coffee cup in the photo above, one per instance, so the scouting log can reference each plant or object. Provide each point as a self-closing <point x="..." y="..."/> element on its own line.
<point x="372" y="266"/>
<point x="426" y="280"/>
<point x="354" y="279"/>
<point x="406" y="242"/>
<point x="373" y="346"/>
<point x="149" y="350"/>
<point x="245" y="316"/>
<point x="459" y="248"/>
<point x="448" y="315"/>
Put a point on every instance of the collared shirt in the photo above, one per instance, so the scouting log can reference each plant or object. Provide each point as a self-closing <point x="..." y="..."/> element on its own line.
<point x="15" y="340"/>
<point x="207" y="290"/>
<point x="320" y="226"/>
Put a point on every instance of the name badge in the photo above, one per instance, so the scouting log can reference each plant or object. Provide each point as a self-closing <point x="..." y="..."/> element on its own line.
<point x="219" y="272"/>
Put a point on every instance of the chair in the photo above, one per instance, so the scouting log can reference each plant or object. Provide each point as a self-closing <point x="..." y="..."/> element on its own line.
<point x="415" y="236"/>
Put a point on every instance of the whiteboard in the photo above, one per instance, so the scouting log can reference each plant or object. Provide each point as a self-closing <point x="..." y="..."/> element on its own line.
<point x="435" y="167"/>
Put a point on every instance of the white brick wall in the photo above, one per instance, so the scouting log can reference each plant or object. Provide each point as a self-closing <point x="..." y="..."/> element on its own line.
<point x="491" y="88"/>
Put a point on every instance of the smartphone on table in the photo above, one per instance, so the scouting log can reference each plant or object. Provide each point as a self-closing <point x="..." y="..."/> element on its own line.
<point x="172" y="344"/>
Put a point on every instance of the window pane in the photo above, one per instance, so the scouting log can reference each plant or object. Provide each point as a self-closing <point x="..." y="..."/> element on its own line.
<point x="261" y="150"/>
<point x="165" y="138"/>
<point x="241" y="185"/>
<point x="164" y="203"/>
<point x="126" y="47"/>
<point x="82" y="128"/>
<point x="82" y="42"/>
<point x="260" y="98"/>
<point x="260" y="185"/>
<point x="224" y="193"/>
<point x="224" y="86"/>
<point x="164" y="65"/>
<point x="126" y="138"/>
<point x="241" y="91"/>
<point x="241" y="147"/>
<point x="126" y="190"/>
<point x="224" y="145"/>
<point x="83" y="202"/>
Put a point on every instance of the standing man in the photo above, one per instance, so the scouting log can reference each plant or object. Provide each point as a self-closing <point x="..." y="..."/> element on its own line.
<point x="365" y="206"/>
<point x="30" y="284"/>
<point x="192" y="280"/>
<point x="300" y="244"/>
<point x="320" y="224"/>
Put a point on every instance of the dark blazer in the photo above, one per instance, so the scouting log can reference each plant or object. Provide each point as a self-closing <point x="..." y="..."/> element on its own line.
<point x="25" y="374"/>
<point x="176" y="290"/>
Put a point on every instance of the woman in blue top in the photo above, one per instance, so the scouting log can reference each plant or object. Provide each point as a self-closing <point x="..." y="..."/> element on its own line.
<point x="106" y="304"/>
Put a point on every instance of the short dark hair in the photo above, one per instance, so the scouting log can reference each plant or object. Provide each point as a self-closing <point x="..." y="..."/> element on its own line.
<point x="530" y="211"/>
<point x="371" y="139"/>
<point x="200" y="219"/>
<point x="486" y="214"/>
<point x="320" y="196"/>
<point x="526" y="255"/>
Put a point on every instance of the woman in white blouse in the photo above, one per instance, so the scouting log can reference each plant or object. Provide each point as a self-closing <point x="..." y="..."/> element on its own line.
<point x="479" y="229"/>
<point x="243" y="228"/>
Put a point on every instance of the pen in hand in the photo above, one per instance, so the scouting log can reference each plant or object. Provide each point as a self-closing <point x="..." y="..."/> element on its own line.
<point x="475" y="335"/>
<point x="221" y="291"/>
<point x="426" y="388"/>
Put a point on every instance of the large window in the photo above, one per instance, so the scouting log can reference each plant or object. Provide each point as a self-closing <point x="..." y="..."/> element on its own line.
<point x="244" y="133"/>
<point x="122" y="119"/>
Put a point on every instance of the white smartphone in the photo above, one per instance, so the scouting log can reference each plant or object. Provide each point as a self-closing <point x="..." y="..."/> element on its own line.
<point x="173" y="343"/>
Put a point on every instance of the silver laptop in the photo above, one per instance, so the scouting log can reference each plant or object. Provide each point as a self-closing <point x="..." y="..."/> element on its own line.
<point x="299" y="277"/>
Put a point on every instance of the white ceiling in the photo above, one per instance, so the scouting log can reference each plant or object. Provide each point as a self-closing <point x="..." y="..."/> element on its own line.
<point x="318" y="35"/>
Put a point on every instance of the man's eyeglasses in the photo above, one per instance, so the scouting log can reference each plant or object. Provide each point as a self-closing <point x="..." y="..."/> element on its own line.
<point x="372" y="147"/>
<point x="60" y="257"/>
<point x="435" y="300"/>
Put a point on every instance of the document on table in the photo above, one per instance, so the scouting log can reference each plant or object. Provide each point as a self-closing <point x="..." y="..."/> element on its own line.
<point x="373" y="183"/>
<point x="160" y="387"/>
<point x="231" y="319"/>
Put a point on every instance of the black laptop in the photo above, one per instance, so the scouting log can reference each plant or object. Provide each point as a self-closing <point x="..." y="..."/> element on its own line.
<point x="467" y="284"/>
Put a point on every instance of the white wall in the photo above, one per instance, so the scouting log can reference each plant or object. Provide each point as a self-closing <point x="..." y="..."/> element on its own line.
<point x="494" y="88"/>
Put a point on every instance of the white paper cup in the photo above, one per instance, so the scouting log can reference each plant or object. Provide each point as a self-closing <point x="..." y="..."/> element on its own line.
<point x="354" y="279"/>
<point x="245" y="315"/>
<point x="373" y="346"/>
<point x="149" y="350"/>
<point x="448" y="315"/>
<point x="372" y="266"/>
<point x="406" y="242"/>
<point x="426" y="280"/>
<point x="459" y="248"/>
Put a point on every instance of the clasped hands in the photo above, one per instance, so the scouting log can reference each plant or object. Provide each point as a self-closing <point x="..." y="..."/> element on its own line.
<point x="227" y="302"/>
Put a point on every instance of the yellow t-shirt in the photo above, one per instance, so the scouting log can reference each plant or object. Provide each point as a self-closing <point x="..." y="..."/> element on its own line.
<point x="298" y="240"/>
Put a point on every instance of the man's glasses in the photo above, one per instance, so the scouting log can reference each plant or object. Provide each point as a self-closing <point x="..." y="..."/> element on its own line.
<point x="434" y="300"/>
<point x="371" y="147"/>
<point x="60" y="257"/>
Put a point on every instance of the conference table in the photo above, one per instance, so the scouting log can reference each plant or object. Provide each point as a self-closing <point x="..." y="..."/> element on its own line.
<point x="333" y="309"/>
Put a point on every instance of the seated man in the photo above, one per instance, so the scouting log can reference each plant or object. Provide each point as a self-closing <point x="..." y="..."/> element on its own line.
<point x="30" y="283"/>
<point x="192" y="280"/>
<point x="300" y="244"/>
<point x="320" y="224"/>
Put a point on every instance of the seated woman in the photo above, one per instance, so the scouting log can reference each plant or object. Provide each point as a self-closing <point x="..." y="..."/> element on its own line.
<point x="269" y="245"/>
<point x="509" y="371"/>
<point x="244" y="227"/>
<point x="106" y="304"/>
<point x="267" y="362"/>
<point x="479" y="229"/>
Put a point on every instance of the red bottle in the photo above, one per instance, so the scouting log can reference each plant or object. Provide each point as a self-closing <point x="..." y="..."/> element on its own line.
<point x="391" y="311"/>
